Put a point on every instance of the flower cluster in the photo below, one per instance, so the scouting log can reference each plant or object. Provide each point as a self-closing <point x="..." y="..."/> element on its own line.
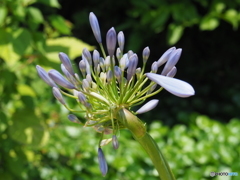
<point x="109" y="83"/>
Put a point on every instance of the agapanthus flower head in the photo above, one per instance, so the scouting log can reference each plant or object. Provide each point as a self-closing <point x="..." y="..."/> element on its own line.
<point x="112" y="82"/>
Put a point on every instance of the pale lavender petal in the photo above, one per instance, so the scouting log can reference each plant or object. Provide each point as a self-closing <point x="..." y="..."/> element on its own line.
<point x="172" y="61"/>
<point x="82" y="67"/>
<point x="175" y="86"/>
<point x="102" y="162"/>
<point x="148" y="106"/>
<point x="95" y="27"/>
<point x="96" y="57"/>
<point x="59" y="79"/>
<point x="165" y="56"/>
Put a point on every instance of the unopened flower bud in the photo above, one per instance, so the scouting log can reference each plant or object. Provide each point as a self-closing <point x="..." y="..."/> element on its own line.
<point x="118" y="73"/>
<point x="145" y="54"/>
<point x="124" y="62"/>
<point x="102" y="64"/>
<point x="102" y="162"/>
<point x="172" y="72"/>
<point x="115" y="142"/>
<point x="87" y="55"/>
<point x="59" y="79"/>
<point x="85" y="84"/>
<point x="165" y="56"/>
<point x="133" y="61"/>
<point x="96" y="57"/>
<point x="121" y="40"/>
<point x="57" y="94"/>
<point x="82" y="67"/>
<point x="172" y="61"/>
<point x="130" y="53"/>
<point x="44" y="76"/>
<point x="95" y="27"/>
<point x="109" y="76"/>
<point x="118" y="53"/>
<point x="89" y="79"/>
<point x="111" y="41"/>
<point x="138" y="72"/>
<point x="152" y="88"/>
<point x="148" y="106"/>
<point x="154" y="67"/>
<point x="66" y="62"/>
<point x="82" y="98"/>
<point x="73" y="118"/>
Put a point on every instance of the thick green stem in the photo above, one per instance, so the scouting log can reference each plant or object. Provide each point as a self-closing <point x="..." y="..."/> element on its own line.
<point x="138" y="129"/>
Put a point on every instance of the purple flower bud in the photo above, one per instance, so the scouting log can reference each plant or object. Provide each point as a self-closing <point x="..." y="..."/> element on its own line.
<point x="95" y="27"/>
<point x="172" y="61"/>
<point x="165" y="56"/>
<point x="85" y="84"/>
<point x="121" y="40"/>
<point x="109" y="76"/>
<point x="111" y="41"/>
<point x="118" y="73"/>
<point x="59" y="79"/>
<point x="82" y="98"/>
<point x="82" y="67"/>
<point x="57" y="94"/>
<point x="73" y="118"/>
<point x="66" y="62"/>
<point x="68" y="75"/>
<point x="175" y="86"/>
<point x="148" y="106"/>
<point x="145" y="54"/>
<point x="115" y="142"/>
<point x="172" y="72"/>
<point x="44" y="76"/>
<point x="87" y="55"/>
<point x="102" y="162"/>
<point x="88" y="70"/>
<point x="154" y="67"/>
<point x="133" y="61"/>
<point x="96" y="57"/>
<point x="130" y="53"/>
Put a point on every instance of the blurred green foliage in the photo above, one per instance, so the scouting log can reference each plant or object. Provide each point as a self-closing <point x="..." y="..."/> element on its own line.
<point x="36" y="140"/>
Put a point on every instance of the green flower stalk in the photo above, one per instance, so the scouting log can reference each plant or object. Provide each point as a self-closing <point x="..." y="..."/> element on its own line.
<point x="110" y="85"/>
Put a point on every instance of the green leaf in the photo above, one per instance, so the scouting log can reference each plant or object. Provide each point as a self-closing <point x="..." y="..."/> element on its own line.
<point x="60" y="24"/>
<point x="26" y="128"/>
<point x="69" y="45"/>
<point x="7" y="52"/>
<point x="174" y="33"/>
<point x="209" y="23"/>
<point x="3" y="13"/>
<point x="51" y="3"/>
<point x="35" y="14"/>
<point x="232" y="17"/>
<point x="22" y="41"/>
<point x="25" y="90"/>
